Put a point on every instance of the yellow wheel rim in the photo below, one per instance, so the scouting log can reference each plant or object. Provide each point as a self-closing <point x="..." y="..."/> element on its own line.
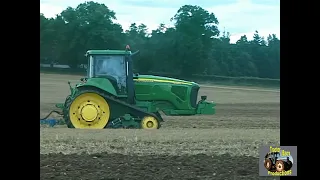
<point x="149" y="122"/>
<point x="89" y="111"/>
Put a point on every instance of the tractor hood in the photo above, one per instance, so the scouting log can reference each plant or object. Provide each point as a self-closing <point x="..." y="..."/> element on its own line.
<point x="152" y="78"/>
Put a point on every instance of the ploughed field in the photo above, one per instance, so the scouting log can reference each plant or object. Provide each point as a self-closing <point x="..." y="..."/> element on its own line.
<point x="221" y="146"/>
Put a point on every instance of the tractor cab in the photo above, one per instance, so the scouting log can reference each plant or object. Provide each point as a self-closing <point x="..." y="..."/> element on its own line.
<point x="114" y="65"/>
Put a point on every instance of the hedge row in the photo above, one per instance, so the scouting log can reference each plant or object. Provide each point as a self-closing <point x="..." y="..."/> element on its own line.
<point x="248" y="81"/>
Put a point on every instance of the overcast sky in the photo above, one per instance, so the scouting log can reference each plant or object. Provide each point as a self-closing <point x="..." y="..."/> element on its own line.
<point x="238" y="17"/>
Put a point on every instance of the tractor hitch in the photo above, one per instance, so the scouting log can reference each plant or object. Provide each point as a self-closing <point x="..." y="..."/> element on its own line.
<point x="54" y="111"/>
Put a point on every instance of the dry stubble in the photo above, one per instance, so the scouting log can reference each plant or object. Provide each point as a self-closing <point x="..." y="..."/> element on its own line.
<point x="245" y="120"/>
<point x="185" y="148"/>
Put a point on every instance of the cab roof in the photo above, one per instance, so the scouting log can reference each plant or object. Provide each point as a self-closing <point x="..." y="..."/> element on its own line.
<point x="107" y="52"/>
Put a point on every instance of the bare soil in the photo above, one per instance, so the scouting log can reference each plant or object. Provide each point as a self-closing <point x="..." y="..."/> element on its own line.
<point x="157" y="167"/>
<point x="222" y="146"/>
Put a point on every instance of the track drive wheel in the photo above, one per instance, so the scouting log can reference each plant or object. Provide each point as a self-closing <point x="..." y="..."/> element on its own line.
<point x="280" y="166"/>
<point x="89" y="110"/>
<point x="150" y="122"/>
<point x="268" y="164"/>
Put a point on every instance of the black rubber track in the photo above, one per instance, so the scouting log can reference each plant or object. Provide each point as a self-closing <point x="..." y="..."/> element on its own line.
<point x="134" y="110"/>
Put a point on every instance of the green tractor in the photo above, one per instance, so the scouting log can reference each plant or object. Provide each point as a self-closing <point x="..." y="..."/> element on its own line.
<point x="112" y="96"/>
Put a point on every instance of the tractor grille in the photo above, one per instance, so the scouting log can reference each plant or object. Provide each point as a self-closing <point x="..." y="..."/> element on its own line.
<point x="194" y="96"/>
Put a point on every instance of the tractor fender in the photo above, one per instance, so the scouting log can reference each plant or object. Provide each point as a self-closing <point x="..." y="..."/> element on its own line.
<point x="100" y="83"/>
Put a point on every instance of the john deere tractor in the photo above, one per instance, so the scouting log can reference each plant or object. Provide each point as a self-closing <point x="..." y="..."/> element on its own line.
<point x="112" y="96"/>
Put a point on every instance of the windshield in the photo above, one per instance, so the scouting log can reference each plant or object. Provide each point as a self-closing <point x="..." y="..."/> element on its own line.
<point x="111" y="65"/>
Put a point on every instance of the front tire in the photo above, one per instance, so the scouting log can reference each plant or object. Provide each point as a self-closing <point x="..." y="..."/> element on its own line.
<point x="280" y="166"/>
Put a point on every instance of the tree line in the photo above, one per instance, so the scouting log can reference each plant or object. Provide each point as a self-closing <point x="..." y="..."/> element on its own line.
<point x="194" y="45"/>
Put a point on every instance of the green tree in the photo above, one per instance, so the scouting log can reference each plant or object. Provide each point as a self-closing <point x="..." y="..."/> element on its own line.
<point x="89" y="26"/>
<point x="193" y="46"/>
<point x="195" y="27"/>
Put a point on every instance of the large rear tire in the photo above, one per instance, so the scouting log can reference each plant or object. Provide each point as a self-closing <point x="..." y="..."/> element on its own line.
<point x="268" y="164"/>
